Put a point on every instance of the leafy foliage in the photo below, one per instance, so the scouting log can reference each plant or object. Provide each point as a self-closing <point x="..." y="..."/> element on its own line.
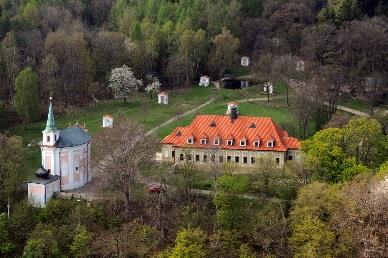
<point x="27" y="95"/>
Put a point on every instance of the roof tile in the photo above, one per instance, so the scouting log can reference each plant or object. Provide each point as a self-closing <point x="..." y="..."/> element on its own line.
<point x="266" y="129"/>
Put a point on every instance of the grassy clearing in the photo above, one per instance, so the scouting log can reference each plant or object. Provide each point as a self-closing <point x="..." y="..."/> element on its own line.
<point x="279" y="114"/>
<point x="146" y="111"/>
<point x="360" y="105"/>
<point x="140" y="108"/>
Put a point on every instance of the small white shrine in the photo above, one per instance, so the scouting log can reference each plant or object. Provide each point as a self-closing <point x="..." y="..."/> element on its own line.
<point x="268" y="87"/>
<point x="245" y="61"/>
<point x="204" y="81"/>
<point x="244" y="84"/>
<point x="230" y="106"/>
<point x="300" y="65"/>
<point x="107" y="121"/>
<point x="163" y="98"/>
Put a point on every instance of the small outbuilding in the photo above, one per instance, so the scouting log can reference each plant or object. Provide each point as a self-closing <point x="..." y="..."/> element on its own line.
<point x="42" y="188"/>
<point x="163" y="98"/>
<point x="107" y="121"/>
<point x="268" y="87"/>
<point x="232" y="105"/>
<point x="300" y="65"/>
<point x="245" y="61"/>
<point x="204" y="81"/>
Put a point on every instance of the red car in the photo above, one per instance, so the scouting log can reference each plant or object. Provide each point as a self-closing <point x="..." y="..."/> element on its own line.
<point x="155" y="188"/>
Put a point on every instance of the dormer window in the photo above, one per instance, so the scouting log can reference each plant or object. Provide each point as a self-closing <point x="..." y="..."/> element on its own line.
<point x="178" y="133"/>
<point x="229" y="142"/>
<point x="256" y="144"/>
<point x="203" y="141"/>
<point x="270" y="143"/>
<point x="253" y="125"/>
<point x="190" y="140"/>
<point x="213" y="124"/>
<point x="217" y="141"/>
<point x="243" y="143"/>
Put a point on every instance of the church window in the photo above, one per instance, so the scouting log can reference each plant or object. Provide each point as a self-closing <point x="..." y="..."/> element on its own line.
<point x="48" y="138"/>
<point x="76" y="168"/>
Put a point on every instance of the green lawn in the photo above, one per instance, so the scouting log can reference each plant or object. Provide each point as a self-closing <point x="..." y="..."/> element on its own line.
<point x="146" y="111"/>
<point x="349" y="101"/>
<point x="282" y="116"/>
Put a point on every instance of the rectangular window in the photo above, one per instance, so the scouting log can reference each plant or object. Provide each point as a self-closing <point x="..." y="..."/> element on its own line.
<point x="221" y="159"/>
<point x="243" y="143"/>
<point x="245" y="160"/>
<point x="237" y="159"/>
<point x="203" y="141"/>
<point x="190" y="141"/>
<point x="253" y="160"/>
<point x="181" y="157"/>
<point x="204" y="158"/>
<point x="256" y="143"/>
<point x="189" y="157"/>
<point x="213" y="157"/>
<point x="270" y="144"/>
<point x="229" y="158"/>
<point x="290" y="157"/>
<point x="48" y="138"/>
<point x="277" y="161"/>
<point x="197" y="157"/>
<point x="229" y="142"/>
<point x="216" y="142"/>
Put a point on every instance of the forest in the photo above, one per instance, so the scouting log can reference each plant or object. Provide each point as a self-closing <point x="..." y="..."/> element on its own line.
<point x="335" y="205"/>
<point x="71" y="46"/>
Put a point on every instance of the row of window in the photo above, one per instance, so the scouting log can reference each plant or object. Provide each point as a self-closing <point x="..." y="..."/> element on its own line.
<point x="220" y="158"/>
<point x="243" y="143"/>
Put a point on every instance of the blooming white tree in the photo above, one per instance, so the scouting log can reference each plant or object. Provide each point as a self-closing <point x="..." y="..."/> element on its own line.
<point x="123" y="82"/>
<point x="154" y="87"/>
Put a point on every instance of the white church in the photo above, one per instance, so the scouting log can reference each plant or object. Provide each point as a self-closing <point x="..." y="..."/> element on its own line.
<point x="65" y="161"/>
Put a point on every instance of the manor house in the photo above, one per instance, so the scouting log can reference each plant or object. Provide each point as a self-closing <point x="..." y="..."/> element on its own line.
<point x="232" y="138"/>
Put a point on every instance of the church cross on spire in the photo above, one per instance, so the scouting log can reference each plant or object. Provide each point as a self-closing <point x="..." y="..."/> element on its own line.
<point x="50" y="125"/>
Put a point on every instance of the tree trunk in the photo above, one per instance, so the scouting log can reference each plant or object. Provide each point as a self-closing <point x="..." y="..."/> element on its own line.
<point x="126" y="203"/>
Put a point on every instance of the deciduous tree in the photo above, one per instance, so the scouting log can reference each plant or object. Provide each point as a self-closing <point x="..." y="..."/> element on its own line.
<point x="223" y="55"/>
<point x="123" y="82"/>
<point x="119" y="154"/>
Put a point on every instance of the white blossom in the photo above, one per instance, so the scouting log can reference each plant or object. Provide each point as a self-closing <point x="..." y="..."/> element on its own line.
<point x="154" y="87"/>
<point x="123" y="82"/>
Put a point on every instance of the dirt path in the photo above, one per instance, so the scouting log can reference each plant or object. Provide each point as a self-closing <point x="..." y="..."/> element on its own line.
<point x="175" y="118"/>
<point x="350" y="110"/>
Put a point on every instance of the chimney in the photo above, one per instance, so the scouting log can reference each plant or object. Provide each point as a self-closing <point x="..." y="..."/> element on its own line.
<point x="233" y="113"/>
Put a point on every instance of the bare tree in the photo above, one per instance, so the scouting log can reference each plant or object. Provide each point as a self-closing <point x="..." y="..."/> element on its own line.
<point x="284" y="67"/>
<point x="118" y="156"/>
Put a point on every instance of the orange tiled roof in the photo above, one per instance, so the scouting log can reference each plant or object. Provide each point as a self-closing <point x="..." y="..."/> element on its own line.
<point x="264" y="130"/>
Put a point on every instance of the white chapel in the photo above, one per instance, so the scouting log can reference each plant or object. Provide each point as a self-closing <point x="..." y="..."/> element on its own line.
<point x="65" y="161"/>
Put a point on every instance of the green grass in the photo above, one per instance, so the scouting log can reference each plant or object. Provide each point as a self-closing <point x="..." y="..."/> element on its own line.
<point x="140" y="108"/>
<point x="357" y="104"/>
<point x="150" y="114"/>
<point x="282" y="116"/>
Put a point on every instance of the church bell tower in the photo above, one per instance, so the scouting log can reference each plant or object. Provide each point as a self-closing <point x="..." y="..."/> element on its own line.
<point x="51" y="133"/>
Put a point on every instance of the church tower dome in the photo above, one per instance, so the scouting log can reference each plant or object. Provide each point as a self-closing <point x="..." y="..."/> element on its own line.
<point x="51" y="133"/>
